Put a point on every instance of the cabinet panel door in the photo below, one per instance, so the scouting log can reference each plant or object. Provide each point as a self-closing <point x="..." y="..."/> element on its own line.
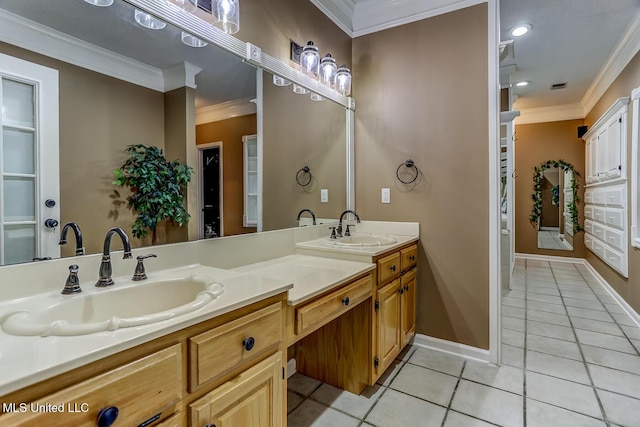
<point x="408" y="306"/>
<point x="253" y="398"/>
<point x="613" y="148"/>
<point x="388" y="324"/>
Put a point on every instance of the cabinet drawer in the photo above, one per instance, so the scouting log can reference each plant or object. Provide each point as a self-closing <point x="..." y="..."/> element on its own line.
<point x="175" y="421"/>
<point x="598" y="231"/>
<point x="598" y="197"/>
<point x="332" y="305"/>
<point x="599" y="214"/>
<point x="408" y="257"/>
<point x="139" y="390"/>
<point x="615" y="239"/>
<point x="388" y="267"/>
<point x="615" y="197"/>
<point x="588" y="241"/>
<point x="598" y="248"/>
<point x="613" y="258"/>
<point x="222" y="349"/>
<point x="568" y="226"/>
<point x="615" y="218"/>
<point x="588" y="212"/>
<point x="588" y="196"/>
<point x="588" y="227"/>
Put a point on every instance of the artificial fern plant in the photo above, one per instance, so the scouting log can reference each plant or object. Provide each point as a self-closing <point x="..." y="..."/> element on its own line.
<point x="157" y="187"/>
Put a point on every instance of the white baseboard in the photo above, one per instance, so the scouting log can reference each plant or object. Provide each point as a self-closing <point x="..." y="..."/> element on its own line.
<point x="615" y="295"/>
<point x="291" y="367"/>
<point x="451" y="347"/>
<point x="550" y="258"/>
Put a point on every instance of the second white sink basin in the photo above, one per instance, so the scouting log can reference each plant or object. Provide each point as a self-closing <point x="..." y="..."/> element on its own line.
<point x="363" y="240"/>
<point x="114" y="308"/>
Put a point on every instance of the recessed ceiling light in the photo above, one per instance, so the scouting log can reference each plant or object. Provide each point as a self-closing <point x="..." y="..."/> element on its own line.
<point x="522" y="83"/>
<point x="520" y="30"/>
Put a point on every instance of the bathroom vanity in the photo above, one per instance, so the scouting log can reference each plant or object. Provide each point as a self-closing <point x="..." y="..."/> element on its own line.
<point x="343" y="312"/>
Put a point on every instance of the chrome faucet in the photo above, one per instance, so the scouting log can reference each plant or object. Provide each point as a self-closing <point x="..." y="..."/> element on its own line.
<point x="313" y="216"/>
<point x="77" y="232"/>
<point x="105" y="279"/>
<point x="339" y="229"/>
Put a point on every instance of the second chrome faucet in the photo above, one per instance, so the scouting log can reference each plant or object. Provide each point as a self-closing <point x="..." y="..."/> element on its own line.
<point x="105" y="271"/>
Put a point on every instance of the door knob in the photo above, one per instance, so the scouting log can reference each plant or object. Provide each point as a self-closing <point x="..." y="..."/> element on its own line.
<point x="51" y="223"/>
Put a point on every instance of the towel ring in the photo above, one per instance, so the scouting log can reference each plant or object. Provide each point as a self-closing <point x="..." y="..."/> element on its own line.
<point x="407" y="164"/>
<point x="300" y="175"/>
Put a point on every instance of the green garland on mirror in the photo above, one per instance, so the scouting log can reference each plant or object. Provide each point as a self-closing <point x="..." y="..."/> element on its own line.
<point x="538" y="176"/>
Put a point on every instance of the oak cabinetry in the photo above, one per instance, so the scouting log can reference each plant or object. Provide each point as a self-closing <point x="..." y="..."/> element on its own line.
<point x="395" y="306"/>
<point x="253" y="398"/>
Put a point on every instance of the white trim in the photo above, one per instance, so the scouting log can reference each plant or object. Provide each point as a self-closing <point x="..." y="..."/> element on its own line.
<point x="260" y="132"/>
<point x="615" y="295"/>
<point x="621" y="105"/>
<point x="201" y="148"/>
<point x="553" y="113"/>
<point x="291" y="367"/>
<point x="463" y="350"/>
<point x="179" y="76"/>
<point x="225" y="110"/>
<point x="495" y="217"/>
<point x="350" y="159"/>
<point x="551" y="258"/>
<point x="635" y="164"/>
<point x="621" y="56"/>
<point x="38" y="38"/>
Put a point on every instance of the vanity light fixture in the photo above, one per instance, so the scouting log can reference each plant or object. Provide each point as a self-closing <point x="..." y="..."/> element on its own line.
<point x="300" y="90"/>
<point x="328" y="70"/>
<point x="101" y="3"/>
<point x="520" y="30"/>
<point x="310" y="60"/>
<point x="186" y="5"/>
<point x="226" y="15"/>
<point x="192" y="41"/>
<point x="280" y="81"/>
<point x="316" y="97"/>
<point x="148" y="21"/>
<point x="343" y="80"/>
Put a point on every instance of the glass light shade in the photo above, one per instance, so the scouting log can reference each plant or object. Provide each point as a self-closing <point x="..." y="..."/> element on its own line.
<point x="328" y="70"/>
<point x="316" y="97"/>
<point x="186" y="5"/>
<point x="310" y="60"/>
<point x="148" y="21"/>
<point x="226" y="15"/>
<point x="192" y="41"/>
<point x="343" y="80"/>
<point x="299" y="89"/>
<point x="280" y="81"/>
<point x="101" y="3"/>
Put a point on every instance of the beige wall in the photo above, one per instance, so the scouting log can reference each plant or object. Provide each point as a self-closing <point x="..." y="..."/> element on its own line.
<point x="536" y="143"/>
<point x="629" y="288"/>
<point x="299" y="132"/>
<point x="418" y="99"/>
<point x="230" y="133"/>
<point x="99" y="117"/>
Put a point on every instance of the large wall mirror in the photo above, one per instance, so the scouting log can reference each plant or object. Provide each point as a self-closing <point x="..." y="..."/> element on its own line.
<point x="121" y="84"/>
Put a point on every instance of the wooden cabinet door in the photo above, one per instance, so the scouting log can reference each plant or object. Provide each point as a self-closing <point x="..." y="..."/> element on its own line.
<point x="388" y="324"/>
<point x="253" y="398"/>
<point x="408" y="306"/>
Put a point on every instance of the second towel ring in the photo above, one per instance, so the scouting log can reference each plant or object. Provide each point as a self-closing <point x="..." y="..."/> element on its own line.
<point x="408" y="164"/>
<point x="300" y="176"/>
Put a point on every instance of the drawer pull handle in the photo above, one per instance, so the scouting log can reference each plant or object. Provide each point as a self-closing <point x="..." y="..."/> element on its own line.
<point x="248" y="343"/>
<point x="107" y="416"/>
<point x="401" y="291"/>
<point x="393" y="268"/>
<point x="345" y="301"/>
<point x="406" y="288"/>
<point x="412" y="258"/>
<point x="209" y="425"/>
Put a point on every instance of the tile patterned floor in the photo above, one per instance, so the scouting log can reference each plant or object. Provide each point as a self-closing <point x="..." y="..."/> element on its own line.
<point x="570" y="358"/>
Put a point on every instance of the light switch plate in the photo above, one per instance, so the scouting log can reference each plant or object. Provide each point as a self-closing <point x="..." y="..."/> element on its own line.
<point x="324" y="195"/>
<point x="386" y="195"/>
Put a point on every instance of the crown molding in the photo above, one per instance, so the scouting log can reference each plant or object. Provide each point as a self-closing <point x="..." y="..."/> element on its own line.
<point x="225" y="110"/>
<point x="180" y="76"/>
<point x="554" y="113"/>
<point x="620" y="57"/>
<point x="38" y="38"/>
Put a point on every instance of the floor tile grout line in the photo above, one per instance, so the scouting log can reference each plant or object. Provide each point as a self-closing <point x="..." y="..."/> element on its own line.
<point x="455" y="388"/>
<point x="584" y="362"/>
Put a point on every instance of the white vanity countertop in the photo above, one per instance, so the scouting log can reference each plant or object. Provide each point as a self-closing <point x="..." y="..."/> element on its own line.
<point x="311" y="275"/>
<point x="322" y="245"/>
<point x="25" y="360"/>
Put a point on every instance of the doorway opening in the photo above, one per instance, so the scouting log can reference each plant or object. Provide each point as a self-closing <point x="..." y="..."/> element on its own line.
<point x="210" y="190"/>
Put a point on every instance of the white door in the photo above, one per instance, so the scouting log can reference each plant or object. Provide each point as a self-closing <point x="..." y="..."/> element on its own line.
<point x="29" y="170"/>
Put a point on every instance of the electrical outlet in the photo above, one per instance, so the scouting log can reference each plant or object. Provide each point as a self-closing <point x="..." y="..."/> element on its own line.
<point x="324" y="195"/>
<point x="386" y="195"/>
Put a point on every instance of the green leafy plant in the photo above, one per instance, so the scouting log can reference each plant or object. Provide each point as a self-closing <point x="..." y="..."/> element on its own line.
<point x="538" y="176"/>
<point x="157" y="187"/>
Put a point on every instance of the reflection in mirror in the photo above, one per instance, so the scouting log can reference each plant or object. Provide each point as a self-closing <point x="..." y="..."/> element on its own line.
<point x="298" y="132"/>
<point x="554" y="211"/>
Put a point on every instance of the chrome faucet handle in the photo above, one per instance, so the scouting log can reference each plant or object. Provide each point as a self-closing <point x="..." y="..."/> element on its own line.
<point x="139" y="273"/>
<point x="72" y="286"/>
<point x="333" y="233"/>
<point x="347" y="232"/>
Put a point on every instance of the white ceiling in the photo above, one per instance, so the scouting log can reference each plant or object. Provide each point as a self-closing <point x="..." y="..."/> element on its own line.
<point x="584" y="43"/>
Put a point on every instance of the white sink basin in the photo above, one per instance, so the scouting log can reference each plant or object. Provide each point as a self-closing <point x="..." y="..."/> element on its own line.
<point x="113" y="308"/>
<point x="363" y="240"/>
